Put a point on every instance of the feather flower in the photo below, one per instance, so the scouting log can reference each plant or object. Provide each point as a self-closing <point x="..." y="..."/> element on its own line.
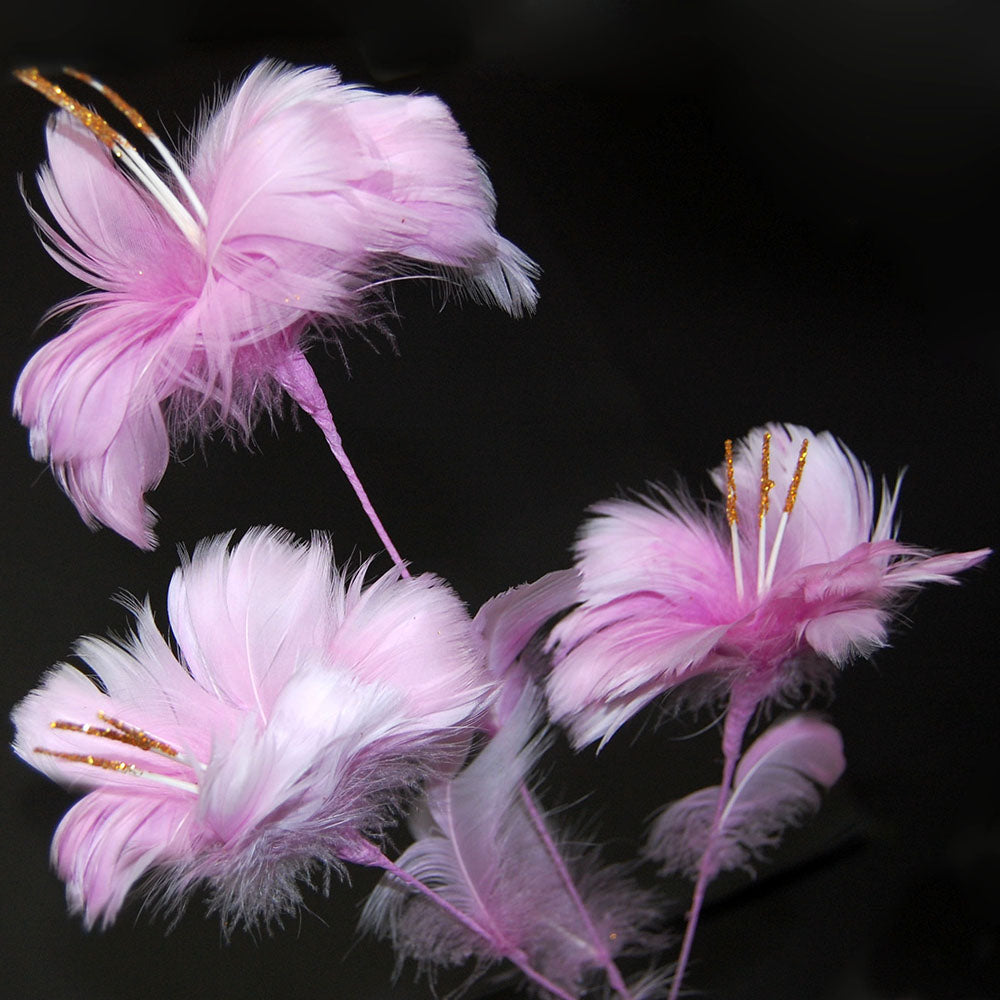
<point x="301" y="708"/>
<point x="771" y="602"/>
<point x="767" y="613"/>
<point x="294" y="201"/>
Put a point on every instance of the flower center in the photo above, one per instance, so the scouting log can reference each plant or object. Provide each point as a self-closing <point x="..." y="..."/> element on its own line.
<point x="126" y="154"/>
<point x="122" y="732"/>
<point x="766" y="563"/>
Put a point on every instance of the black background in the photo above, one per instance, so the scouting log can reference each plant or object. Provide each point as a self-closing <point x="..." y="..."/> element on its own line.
<point x="743" y="212"/>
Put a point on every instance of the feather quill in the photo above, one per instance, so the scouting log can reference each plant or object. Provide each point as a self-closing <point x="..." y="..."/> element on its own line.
<point x="777" y="784"/>
<point x="477" y="848"/>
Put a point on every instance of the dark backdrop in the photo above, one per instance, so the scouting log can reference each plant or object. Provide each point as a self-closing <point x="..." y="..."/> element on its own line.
<point x="743" y="213"/>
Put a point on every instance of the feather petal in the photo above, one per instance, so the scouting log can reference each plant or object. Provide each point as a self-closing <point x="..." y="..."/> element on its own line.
<point x="508" y="622"/>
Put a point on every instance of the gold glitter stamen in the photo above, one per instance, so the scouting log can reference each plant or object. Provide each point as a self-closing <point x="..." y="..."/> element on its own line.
<point x="790" y="498"/>
<point x="126" y="154"/>
<point x="793" y="486"/>
<point x="138" y="122"/>
<point x="111" y="138"/>
<point x="86" y="758"/>
<point x="731" y="516"/>
<point x="766" y="483"/>
<point x="120" y="731"/>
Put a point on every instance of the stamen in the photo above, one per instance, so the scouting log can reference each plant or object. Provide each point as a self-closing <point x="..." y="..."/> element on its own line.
<point x="121" y="766"/>
<point x="125" y="152"/>
<point x="91" y="119"/>
<point x="793" y="486"/>
<point x="790" y="498"/>
<point x="766" y="485"/>
<point x="141" y="125"/>
<point x="121" y="732"/>
<point x="733" y="517"/>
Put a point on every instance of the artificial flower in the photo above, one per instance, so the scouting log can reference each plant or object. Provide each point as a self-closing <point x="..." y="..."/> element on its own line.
<point x="767" y="597"/>
<point x="295" y="200"/>
<point x="300" y="710"/>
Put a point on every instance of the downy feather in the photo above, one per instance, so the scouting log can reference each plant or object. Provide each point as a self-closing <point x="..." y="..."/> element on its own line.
<point x="777" y="784"/>
<point x="477" y="848"/>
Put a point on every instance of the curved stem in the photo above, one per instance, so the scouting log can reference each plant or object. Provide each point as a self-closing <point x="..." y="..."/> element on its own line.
<point x="538" y="821"/>
<point x="743" y="700"/>
<point x="368" y="854"/>
<point x="299" y="380"/>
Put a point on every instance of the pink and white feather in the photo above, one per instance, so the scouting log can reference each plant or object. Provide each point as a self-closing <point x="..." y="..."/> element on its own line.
<point x="297" y="197"/>
<point x="301" y="710"/>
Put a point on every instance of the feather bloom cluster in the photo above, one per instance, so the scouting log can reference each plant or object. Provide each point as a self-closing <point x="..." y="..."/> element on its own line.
<point x="296" y="198"/>
<point x="667" y="594"/>
<point x="300" y="710"/>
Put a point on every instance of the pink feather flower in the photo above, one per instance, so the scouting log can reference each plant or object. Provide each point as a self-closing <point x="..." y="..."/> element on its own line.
<point x="300" y="711"/>
<point x="770" y="604"/>
<point x="296" y="199"/>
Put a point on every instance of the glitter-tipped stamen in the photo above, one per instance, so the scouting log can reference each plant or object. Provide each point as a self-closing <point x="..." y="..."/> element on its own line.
<point x="122" y="149"/>
<point x="141" y="125"/>
<point x="121" y="766"/>
<point x="122" y="733"/>
<point x="766" y="485"/>
<point x="733" y="518"/>
<point x="790" y="498"/>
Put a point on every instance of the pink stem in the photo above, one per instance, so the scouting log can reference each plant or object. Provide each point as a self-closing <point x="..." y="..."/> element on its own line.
<point x="368" y="854"/>
<point x="743" y="700"/>
<point x="614" y="975"/>
<point x="299" y="380"/>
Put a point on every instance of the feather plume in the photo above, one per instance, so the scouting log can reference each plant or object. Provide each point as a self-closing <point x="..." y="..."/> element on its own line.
<point x="477" y="848"/>
<point x="777" y="784"/>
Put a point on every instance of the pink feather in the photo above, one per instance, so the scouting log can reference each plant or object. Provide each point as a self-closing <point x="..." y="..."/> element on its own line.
<point x="777" y="784"/>
<point x="509" y="622"/>
<point x="476" y="847"/>
<point x="313" y="194"/>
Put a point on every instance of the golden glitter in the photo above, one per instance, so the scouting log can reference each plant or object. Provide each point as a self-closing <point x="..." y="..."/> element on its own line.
<point x="119" y="731"/>
<point x="139" y="737"/>
<point x="114" y="97"/>
<point x="86" y="758"/>
<point x="87" y="117"/>
<point x="766" y="483"/>
<point x="793" y="486"/>
<point x="731" y="514"/>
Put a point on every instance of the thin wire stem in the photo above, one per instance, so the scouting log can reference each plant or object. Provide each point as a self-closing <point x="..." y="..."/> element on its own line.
<point x="299" y="381"/>
<point x="742" y="702"/>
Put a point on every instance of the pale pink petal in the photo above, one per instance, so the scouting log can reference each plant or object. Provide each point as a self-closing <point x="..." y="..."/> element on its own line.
<point x="384" y="627"/>
<point x="509" y="621"/>
<point x="243" y="614"/>
<point x="108" y="841"/>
